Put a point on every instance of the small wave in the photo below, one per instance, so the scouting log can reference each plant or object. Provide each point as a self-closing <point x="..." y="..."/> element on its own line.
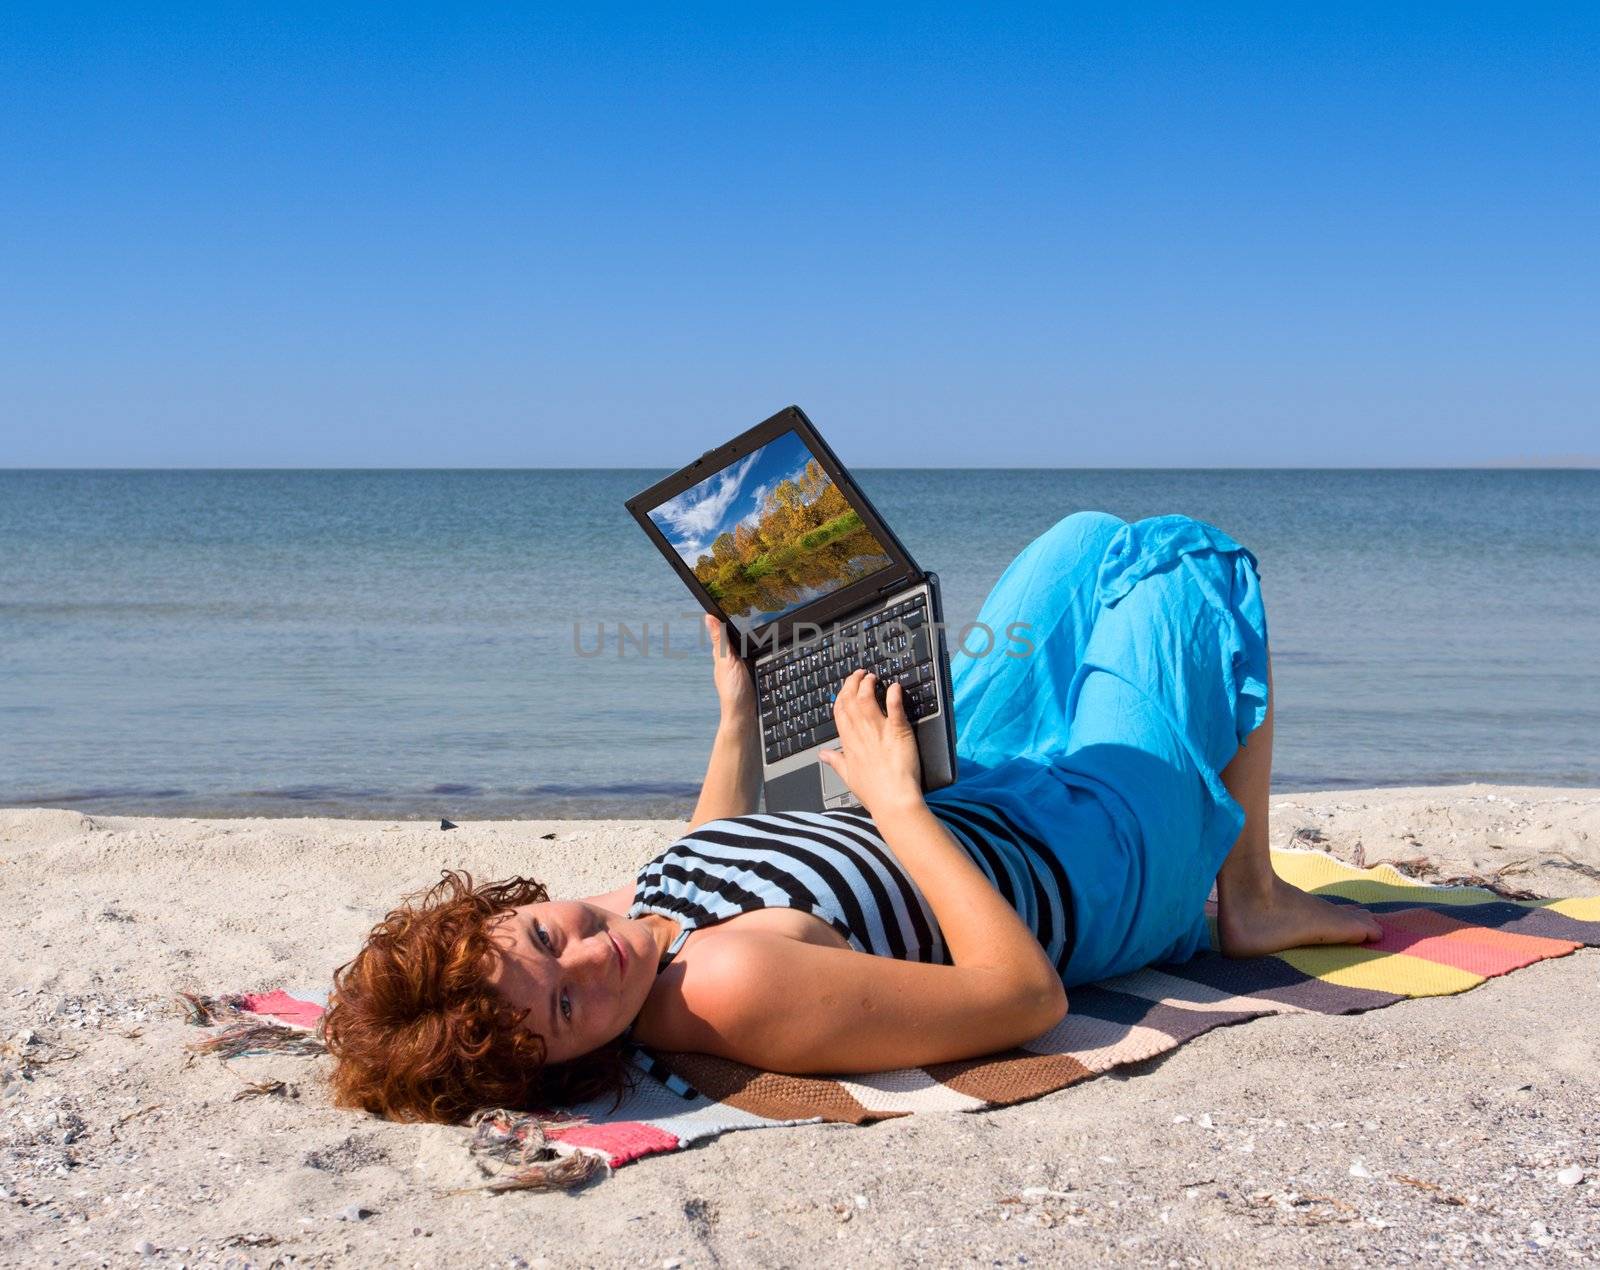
<point x="309" y="793"/>
<point x="669" y="789"/>
<point x="66" y="798"/>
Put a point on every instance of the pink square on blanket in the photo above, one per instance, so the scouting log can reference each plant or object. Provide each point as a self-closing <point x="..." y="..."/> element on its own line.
<point x="281" y="1006"/>
<point x="1479" y="950"/>
<point x="621" y="1140"/>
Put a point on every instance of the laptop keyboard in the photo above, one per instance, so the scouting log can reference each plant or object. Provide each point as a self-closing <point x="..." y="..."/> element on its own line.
<point x="797" y="688"/>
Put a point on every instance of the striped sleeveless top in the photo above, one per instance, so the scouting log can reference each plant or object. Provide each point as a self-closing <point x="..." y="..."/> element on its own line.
<point x="836" y="866"/>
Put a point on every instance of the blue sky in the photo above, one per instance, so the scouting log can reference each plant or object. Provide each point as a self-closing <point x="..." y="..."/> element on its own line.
<point x="1065" y="235"/>
<point x="701" y="514"/>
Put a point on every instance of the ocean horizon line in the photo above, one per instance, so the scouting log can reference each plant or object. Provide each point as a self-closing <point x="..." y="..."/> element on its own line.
<point x="1575" y="464"/>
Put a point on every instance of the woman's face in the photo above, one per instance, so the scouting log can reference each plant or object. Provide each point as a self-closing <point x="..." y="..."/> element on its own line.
<point x="581" y="972"/>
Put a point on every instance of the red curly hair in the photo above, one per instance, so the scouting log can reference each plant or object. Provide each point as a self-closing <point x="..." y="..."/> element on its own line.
<point x="417" y="1033"/>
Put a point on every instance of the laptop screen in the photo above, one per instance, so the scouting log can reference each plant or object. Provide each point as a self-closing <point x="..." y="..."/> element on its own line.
<point x="769" y="533"/>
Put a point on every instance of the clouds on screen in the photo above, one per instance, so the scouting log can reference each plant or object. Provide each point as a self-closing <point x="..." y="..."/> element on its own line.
<point x="694" y="518"/>
<point x="757" y="496"/>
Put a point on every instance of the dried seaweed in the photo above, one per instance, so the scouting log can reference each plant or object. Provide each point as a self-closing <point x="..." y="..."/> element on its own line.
<point x="266" y="1089"/>
<point x="115" y="1125"/>
<point x="251" y="1241"/>
<point x="1561" y="860"/>
<point x="1424" y="869"/>
<point x="134" y="1115"/>
<point x="1439" y="1194"/>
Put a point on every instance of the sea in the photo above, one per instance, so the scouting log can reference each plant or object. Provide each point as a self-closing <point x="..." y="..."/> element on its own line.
<point x="470" y="644"/>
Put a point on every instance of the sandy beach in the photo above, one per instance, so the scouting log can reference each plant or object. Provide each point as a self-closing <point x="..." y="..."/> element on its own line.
<point x="1448" y="1129"/>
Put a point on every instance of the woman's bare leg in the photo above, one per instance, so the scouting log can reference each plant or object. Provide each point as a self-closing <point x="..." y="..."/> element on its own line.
<point x="1257" y="911"/>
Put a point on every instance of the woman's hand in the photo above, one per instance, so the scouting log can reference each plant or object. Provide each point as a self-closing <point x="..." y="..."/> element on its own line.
<point x="878" y="759"/>
<point x="735" y="692"/>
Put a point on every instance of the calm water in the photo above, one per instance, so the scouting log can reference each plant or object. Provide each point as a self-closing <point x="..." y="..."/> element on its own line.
<point x="402" y="643"/>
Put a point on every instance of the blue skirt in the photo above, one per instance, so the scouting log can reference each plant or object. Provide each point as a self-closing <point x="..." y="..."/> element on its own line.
<point x="1106" y="739"/>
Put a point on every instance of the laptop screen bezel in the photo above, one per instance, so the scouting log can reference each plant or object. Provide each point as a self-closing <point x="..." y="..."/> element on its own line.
<point x="778" y="632"/>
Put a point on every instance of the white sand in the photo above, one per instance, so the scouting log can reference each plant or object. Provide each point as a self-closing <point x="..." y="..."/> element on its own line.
<point x="110" y="1140"/>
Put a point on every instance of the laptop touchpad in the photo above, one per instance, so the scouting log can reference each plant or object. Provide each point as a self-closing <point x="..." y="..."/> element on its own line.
<point x="799" y="790"/>
<point x="835" y="793"/>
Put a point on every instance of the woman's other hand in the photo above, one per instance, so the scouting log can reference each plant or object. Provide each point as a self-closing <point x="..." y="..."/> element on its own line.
<point x="735" y="692"/>
<point x="878" y="755"/>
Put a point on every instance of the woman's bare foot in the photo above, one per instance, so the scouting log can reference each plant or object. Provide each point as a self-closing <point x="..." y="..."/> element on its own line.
<point x="1254" y="921"/>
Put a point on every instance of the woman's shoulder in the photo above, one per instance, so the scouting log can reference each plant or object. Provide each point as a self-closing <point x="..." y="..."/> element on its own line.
<point x="713" y="958"/>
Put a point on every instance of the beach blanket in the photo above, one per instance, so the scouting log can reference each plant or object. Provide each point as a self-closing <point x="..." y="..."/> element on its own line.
<point x="1437" y="940"/>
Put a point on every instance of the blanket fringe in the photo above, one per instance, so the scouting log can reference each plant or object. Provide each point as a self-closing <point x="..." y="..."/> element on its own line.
<point x="203" y="1011"/>
<point x="246" y="1033"/>
<point x="513" y="1151"/>
<point x="260" y="1038"/>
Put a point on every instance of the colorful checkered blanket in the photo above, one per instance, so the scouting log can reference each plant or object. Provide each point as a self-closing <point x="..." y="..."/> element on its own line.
<point x="1437" y="940"/>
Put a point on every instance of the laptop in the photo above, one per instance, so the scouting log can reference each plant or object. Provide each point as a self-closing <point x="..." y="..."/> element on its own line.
<point x="774" y="537"/>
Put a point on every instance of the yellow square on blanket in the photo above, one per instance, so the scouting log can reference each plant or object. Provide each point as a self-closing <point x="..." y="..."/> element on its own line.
<point x="1352" y="966"/>
<point x="1382" y="883"/>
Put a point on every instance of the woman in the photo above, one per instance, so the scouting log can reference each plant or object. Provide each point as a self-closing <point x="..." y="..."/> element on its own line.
<point x="1104" y="785"/>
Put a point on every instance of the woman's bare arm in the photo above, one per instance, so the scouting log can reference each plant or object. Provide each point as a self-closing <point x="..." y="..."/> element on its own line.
<point x="878" y="760"/>
<point x="843" y="1011"/>
<point x="733" y="776"/>
<point x="981" y="930"/>
<point x="789" y="1006"/>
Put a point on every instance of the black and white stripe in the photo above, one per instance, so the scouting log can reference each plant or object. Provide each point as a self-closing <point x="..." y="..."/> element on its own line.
<point x="835" y="865"/>
<point x="1024" y="869"/>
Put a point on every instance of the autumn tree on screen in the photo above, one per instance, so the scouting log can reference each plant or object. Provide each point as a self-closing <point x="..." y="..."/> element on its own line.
<point x="793" y="508"/>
